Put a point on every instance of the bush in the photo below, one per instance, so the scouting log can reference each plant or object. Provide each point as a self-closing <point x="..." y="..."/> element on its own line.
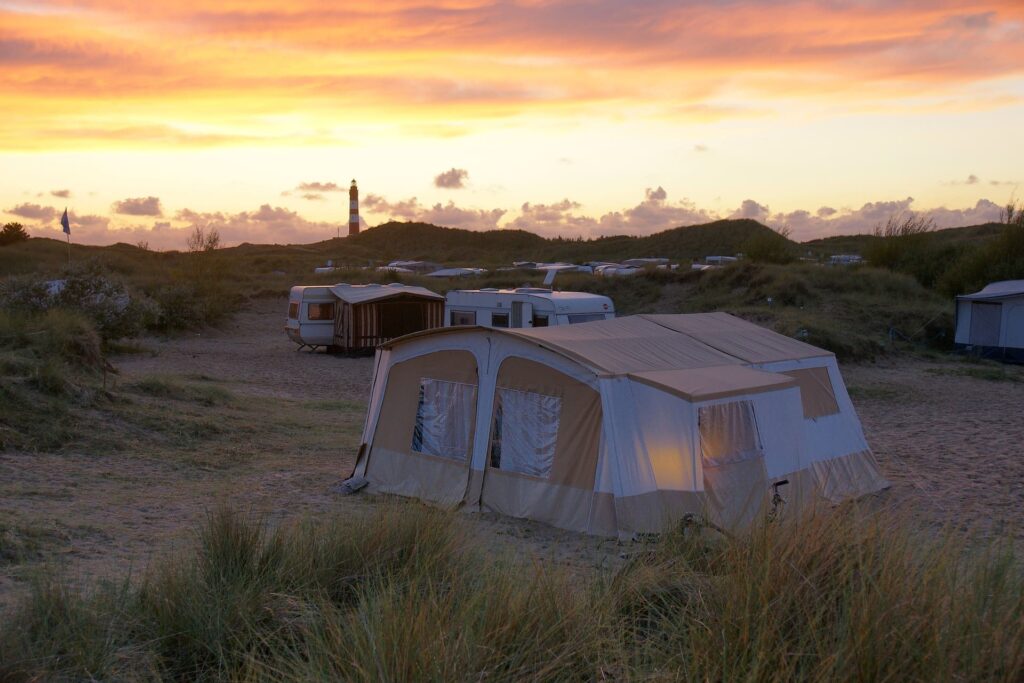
<point x="12" y="233"/>
<point x="188" y="305"/>
<point x="1001" y="258"/>
<point x="770" y="247"/>
<point x="86" y="289"/>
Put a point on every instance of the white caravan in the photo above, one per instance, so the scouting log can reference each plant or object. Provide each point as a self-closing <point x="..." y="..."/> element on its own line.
<point x="525" y="307"/>
<point x="311" y="311"/>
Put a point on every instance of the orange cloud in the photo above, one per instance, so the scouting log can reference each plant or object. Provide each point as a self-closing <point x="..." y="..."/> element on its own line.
<point x="193" y="73"/>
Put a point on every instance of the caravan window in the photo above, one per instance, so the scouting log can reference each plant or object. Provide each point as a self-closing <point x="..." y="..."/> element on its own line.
<point x="584" y="317"/>
<point x="540" y="321"/>
<point x="293" y="310"/>
<point x="320" y="311"/>
<point x="444" y="419"/>
<point x="524" y="432"/>
<point x="499" y="319"/>
<point x="463" y="318"/>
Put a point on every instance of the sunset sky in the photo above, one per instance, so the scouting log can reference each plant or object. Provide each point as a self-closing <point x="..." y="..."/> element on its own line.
<point x="571" y="118"/>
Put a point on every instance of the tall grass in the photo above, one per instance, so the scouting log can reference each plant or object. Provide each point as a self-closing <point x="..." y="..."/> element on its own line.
<point x="401" y="594"/>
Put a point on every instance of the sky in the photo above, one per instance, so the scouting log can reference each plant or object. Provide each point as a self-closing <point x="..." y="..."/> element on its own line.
<point x="573" y="118"/>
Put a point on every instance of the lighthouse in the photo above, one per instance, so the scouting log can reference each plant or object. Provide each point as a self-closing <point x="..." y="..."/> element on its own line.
<point x="353" y="209"/>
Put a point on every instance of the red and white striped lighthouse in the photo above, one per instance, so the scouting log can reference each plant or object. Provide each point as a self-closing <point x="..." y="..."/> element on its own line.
<point x="353" y="209"/>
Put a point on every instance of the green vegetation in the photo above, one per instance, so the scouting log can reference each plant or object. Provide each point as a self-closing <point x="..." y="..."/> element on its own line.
<point x="12" y="233"/>
<point x="400" y="594"/>
<point x="990" y="373"/>
<point x="857" y="312"/>
<point x="57" y="393"/>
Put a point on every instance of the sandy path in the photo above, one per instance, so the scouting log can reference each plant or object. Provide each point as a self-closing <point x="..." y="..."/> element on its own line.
<point x="953" y="446"/>
<point x="252" y="352"/>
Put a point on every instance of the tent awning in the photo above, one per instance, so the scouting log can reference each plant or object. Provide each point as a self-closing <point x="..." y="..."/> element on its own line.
<point x="706" y="384"/>
<point x="360" y="294"/>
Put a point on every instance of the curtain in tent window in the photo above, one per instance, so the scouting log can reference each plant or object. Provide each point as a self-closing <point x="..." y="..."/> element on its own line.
<point x="525" y="432"/>
<point x="444" y="419"/>
<point x="735" y="477"/>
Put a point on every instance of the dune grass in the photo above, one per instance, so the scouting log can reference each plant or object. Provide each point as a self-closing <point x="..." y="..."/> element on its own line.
<point x="401" y="594"/>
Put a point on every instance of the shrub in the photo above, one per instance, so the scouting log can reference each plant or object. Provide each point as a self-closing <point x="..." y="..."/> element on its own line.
<point x="12" y="233"/>
<point x="84" y="288"/>
<point x="770" y="247"/>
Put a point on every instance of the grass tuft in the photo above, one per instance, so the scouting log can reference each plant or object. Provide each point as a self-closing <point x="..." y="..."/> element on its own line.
<point x="400" y="594"/>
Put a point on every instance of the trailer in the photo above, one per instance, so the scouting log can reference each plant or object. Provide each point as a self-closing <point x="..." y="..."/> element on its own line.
<point x="311" y="313"/>
<point x="525" y="307"/>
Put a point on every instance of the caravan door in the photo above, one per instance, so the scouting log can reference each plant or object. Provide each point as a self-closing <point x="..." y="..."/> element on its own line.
<point x="522" y="314"/>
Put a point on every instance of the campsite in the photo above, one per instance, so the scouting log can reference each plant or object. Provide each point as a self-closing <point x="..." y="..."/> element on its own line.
<point x="224" y="430"/>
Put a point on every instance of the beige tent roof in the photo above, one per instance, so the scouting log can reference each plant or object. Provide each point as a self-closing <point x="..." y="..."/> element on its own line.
<point x="738" y="338"/>
<point x="622" y="345"/>
<point x="359" y="294"/>
<point x="641" y="344"/>
<point x="706" y="384"/>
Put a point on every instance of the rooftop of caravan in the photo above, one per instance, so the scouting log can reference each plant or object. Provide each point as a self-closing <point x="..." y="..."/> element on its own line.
<point x="563" y="301"/>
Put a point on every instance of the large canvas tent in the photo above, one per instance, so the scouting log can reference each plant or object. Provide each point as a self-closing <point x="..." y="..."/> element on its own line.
<point x="991" y="322"/>
<point x="613" y="427"/>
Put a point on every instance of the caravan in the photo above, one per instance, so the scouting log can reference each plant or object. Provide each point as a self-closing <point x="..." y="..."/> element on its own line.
<point x="525" y="307"/>
<point x="311" y="312"/>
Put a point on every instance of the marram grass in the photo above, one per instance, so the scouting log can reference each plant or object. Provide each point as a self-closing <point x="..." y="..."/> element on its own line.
<point x="402" y="595"/>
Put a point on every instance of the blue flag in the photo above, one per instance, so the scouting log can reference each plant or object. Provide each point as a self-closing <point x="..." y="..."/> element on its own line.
<point x="65" y="222"/>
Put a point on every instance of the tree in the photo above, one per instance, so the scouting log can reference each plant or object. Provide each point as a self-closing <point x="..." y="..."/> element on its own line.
<point x="11" y="233"/>
<point x="203" y="239"/>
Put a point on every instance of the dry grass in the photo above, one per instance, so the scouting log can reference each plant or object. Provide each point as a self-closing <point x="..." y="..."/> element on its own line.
<point x="401" y="595"/>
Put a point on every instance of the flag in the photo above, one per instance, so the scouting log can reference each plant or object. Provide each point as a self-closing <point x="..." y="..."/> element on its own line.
<point x="65" y="222"/>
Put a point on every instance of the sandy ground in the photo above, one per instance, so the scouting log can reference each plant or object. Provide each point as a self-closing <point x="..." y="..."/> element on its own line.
<point x="952" y="445"/>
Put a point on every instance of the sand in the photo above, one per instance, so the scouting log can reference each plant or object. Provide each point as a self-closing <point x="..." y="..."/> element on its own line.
<point x="951" y="444"/>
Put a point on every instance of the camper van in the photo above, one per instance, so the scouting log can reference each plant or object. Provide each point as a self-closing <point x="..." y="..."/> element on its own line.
<point x="311" y="312"/>
<point x="524" y="307"/>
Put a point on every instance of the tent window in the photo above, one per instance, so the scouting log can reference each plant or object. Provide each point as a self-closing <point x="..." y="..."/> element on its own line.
<point x="499" y="319"/>
<point x="444" y="419"/>
<point x="728" y="434"/>
<point x="525" y="432"/>
<point x="320" y="311"/>
<point x="463" y="318"/>
<point x="816" y="394"/>
<point x="293" y="310"/>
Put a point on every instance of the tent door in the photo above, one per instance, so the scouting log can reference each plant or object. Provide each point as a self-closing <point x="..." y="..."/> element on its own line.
<point x="735" y="477"/>
<point x="985" y="323"/>
<point x="1014" y="326"/>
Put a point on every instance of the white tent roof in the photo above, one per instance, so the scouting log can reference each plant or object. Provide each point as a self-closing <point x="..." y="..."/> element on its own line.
<point x="997" y="290"/>
<point x="358" y="294"/>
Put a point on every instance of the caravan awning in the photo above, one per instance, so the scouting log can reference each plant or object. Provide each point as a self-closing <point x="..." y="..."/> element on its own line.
<point x="996" y="290"/>
<point x="360" y="294"/>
